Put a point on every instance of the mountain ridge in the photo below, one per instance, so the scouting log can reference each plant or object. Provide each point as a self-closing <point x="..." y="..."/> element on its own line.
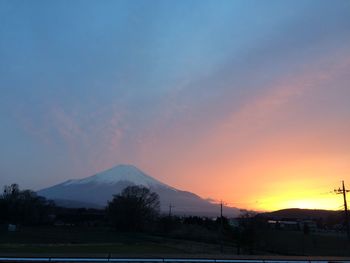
<point x="300" y="213"/>
<point x="99" y="188"/>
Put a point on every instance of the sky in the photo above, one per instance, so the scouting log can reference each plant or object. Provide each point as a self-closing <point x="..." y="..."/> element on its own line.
<point x="241" y="101"/>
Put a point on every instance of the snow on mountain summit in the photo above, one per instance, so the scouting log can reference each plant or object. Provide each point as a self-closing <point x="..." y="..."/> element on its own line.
<point x="120" y="173"/>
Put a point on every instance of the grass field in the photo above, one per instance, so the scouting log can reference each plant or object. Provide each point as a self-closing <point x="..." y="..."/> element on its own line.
<point x="104" y="241"/>
<point x="124" y="249"/>
<point x="296" y="243"/>
<point x="68" y="235"/>
<point x="82" y="240"/>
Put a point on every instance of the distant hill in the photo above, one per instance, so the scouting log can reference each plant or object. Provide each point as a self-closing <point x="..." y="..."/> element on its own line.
<point x="303" y="214"/>
<point x="95" y="191"/>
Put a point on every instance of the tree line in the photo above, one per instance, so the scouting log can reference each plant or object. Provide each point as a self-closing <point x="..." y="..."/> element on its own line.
<point x="135" y="209"/>
<point x="24" y="207"/>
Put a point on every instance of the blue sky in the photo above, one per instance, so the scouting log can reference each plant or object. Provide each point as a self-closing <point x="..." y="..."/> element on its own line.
<point x="86" y="85"/>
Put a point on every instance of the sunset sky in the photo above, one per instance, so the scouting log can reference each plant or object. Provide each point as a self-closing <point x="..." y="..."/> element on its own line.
<point x="242" y="101"/>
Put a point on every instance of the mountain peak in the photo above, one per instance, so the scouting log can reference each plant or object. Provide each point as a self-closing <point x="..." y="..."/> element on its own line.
<point x="97" y="190"/>
<point x="119" y="173"/>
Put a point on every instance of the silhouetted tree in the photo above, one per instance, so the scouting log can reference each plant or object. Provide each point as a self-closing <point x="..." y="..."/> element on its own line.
<point x="23" y="207"/>
<point x="134" y="209"/>
<point x="11" y="191"/>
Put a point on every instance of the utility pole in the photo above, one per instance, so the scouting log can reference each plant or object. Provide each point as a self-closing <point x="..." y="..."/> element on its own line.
<point x="346" y="211"/>
<point x="170" y="207"/>
<point x="343" y="191"/>
<point x="221" y="230"/>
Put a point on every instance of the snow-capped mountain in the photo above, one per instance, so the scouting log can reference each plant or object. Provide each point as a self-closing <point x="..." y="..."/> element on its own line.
<point x="97" y="190"/>
<point x="120" y="173"/>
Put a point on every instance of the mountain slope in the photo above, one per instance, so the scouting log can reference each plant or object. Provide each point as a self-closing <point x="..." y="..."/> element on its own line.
<point x="97" y="190"/>
<point x="302" y="214"/>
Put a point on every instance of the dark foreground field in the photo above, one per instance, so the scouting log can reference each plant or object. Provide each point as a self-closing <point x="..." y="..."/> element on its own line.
<point x="82" y="240"/>
<point x="103" y="241"/>
<point x="297" y="243"/>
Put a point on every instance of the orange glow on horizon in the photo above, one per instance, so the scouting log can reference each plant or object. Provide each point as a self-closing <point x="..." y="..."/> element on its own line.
<point x="290" y="200"/>
<point x="307" y="186"/>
